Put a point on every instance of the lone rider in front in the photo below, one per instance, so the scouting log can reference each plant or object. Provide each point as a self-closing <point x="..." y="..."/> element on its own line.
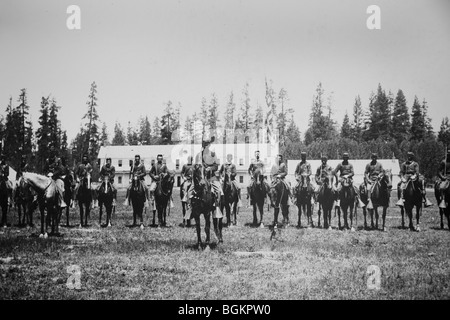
<point x="346" y="172"/>
<point x="279" y="174"/>
<point x="373" y="171"/>
<point x="157" y="170"/>
<point x="256" y="164"/>
<point x="54" y="169"/>
<point x="444" y="179"/>
<point x="138" y="170"/>
<point x="83" y="170"/>
<point x="107" y="173"/>
<point x="409" y="170"/>
<point x="303" y="169"/>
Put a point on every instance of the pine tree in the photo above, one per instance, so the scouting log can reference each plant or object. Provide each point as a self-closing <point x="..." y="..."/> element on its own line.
<point x="321" y="125"/>
<point x="293" y="145"/>
<point x="401" y="125"/>
<point x="245" y="120"/>
<point x="444" y="132"/>
<point x="271" y="118"/>
<point x="145" y="132"/>
<point x="258" y="123"/>
<point x="104" y="136"/>
<point x="54" y="126"/>
<point x="229" y="112"/>
<point x="119" y="136"/>
<point x="43" y="134"/>
<point x="156" y="134"/>
<point x="213" y="113"/>
<point x="418" y="127"/>
<point x="346" y="130"/>
<point x="380" y="116"/>
<point x="132" y="135"/>
<point x="283" y="116"/>
<point x="91" y="144"/>
<point x="427" y="120"/>
<point x="357" y="124"/>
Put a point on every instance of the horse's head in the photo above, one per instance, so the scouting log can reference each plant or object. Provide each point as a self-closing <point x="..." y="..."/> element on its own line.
<point x="304" y="181"/>
<point x="135" y="182"/>
<point x="258" y="176"/>
<point x="197" y="173"/>
<point x="385" y="179"/>
<point x="328" y="181"/>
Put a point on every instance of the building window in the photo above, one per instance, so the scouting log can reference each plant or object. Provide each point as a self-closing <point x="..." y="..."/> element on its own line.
<point x="119" y="163"/>
<point x="119" y="179"/>
<point x="177" y="164"/>
<point x="241" y="179"/>
<point x="241" y="161"/>
<point x="178" y="181"/>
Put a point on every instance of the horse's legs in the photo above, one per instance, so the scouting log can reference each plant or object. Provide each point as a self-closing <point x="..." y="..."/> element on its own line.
<point x="228" y="213"/>
<point x="255" y="219"/>
<point x="81" y="213"/>
<point x="418" y="208"/>
<point x="197" y="228"/>
<point x="207" y="227"/>
<point x="338" y="209"/>
<point x="87" y="213"/>
<point x="384" y="218"/>
<point x="299" y="208"/>
<point x="261" y="214"/>
<point x="372" y="224"/>
<point x="409" y="213"/>
<point x="319" y="212"/>
<point x="235" y="212"/>
<point x="365" y="217"/>
<point x="376" y="217"/>
<point x="100" y="213"/>
<point x="275" y="216"/>
<point x="402" y="212"/>
<point x="220" y="230"/>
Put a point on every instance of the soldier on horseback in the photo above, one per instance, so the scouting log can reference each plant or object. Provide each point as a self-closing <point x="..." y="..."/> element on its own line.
<point x="158" y="169"/>
<point x="279" y="172"/>
<point x="186" y="174"/>
<point x="322" y="173"/>
<point x="107" y="173"/>
<point x="409" y="170"/>
<point x="4" y="177"/>
<point x="256" y="164"/>
<point x="444" y="179"/>
<point x="138" y="169"/>
<point x="229" y="168"/>
<point x="346" y="173"/>
<point x="303" y="169"/>
<point x="373" y="171"/>
<point x="81" y="172"/>
<point x="54" y="169"/>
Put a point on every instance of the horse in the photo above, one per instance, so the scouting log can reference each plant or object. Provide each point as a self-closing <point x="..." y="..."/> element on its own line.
<point x="325" y="198"/>
<point x="230" y="200"/>
<point x="84" y="197"/>
<point x="138" y="198"/>
<point x="380" y="197"/>
<point x="303" y="196"/>
<point x="444" y="203"/>
<point x="259" y="192"/>
<point x="5" y="194"/>
<point x="162" y="195"/>
<point x="279" y="194"/>
<point x="46" y="190"/>
<point x="347" y="199"/>
<point x="184" y="206"/>
<point x="105" y="198"/>
<point x="363" y="196"/>
<point x="69" y="186"/>
<point x="202" y="202"/>
<point x="412" y="198"/>
<point x="24" y="197"/>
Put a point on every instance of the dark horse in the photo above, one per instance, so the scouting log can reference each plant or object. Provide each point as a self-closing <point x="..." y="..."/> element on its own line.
<point x="84" y="197"/>
<point x="347" y="199"/>
<point x="230" y="200"/>
<point x="69" y="186"/>
<point x="279" y="193"/>
<point x="380" y="197"/>
<point x="163" y="192"/>
<point x="444" y="204"/>
<point x="303" y="196"/>
<point x="5" y="193"/>
<point x="413" y="198"/>
<point x="259" y="192"/>
<point x="325" y="198"/>
<point x="105" y="198"/>
<point x="24" y="197"/>
<point x="46" y="190"/>
<point x="137" y="197"/>
<point x="202" y="202"/>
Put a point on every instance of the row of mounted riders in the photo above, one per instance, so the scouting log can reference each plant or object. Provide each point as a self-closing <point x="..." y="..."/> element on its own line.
<point x="34" y="190"/>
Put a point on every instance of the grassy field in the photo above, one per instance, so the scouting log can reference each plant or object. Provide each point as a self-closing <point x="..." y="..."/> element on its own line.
<point x="130" y="263"/>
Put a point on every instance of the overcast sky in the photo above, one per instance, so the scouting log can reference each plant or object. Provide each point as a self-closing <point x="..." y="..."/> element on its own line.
<point x="144" y="53"/>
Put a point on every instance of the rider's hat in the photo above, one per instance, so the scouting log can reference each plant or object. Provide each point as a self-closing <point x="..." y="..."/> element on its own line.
<point x="324" y="157"/>
<point x="137" y="156"/>
<point x="108" y="158"/>
<point x="410" y="153"/>
<point x="345" y="155"/>
<point x="159" y="155"/>
<point x="256" y="151"/>
<point x="374" y="155"/>
<point x="303" y="153"/>
<point x="85" y="155"/>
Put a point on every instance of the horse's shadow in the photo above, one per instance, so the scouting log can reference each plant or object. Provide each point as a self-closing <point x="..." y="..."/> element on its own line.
<point x="195" y="247"/>
<point x="252" y="225"/>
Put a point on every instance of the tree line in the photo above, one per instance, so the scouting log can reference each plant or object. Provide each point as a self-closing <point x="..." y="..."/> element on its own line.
<point x="387" y="126"/>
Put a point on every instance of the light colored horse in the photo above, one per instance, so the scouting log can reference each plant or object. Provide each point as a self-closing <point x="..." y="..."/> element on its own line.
<point x="46" y="189"/>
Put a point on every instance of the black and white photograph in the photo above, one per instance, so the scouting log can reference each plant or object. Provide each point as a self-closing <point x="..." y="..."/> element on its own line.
<point x="224" y="155"/>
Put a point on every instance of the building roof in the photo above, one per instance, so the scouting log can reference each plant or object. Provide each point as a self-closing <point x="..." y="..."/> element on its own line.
<point x="181" y="152"/>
